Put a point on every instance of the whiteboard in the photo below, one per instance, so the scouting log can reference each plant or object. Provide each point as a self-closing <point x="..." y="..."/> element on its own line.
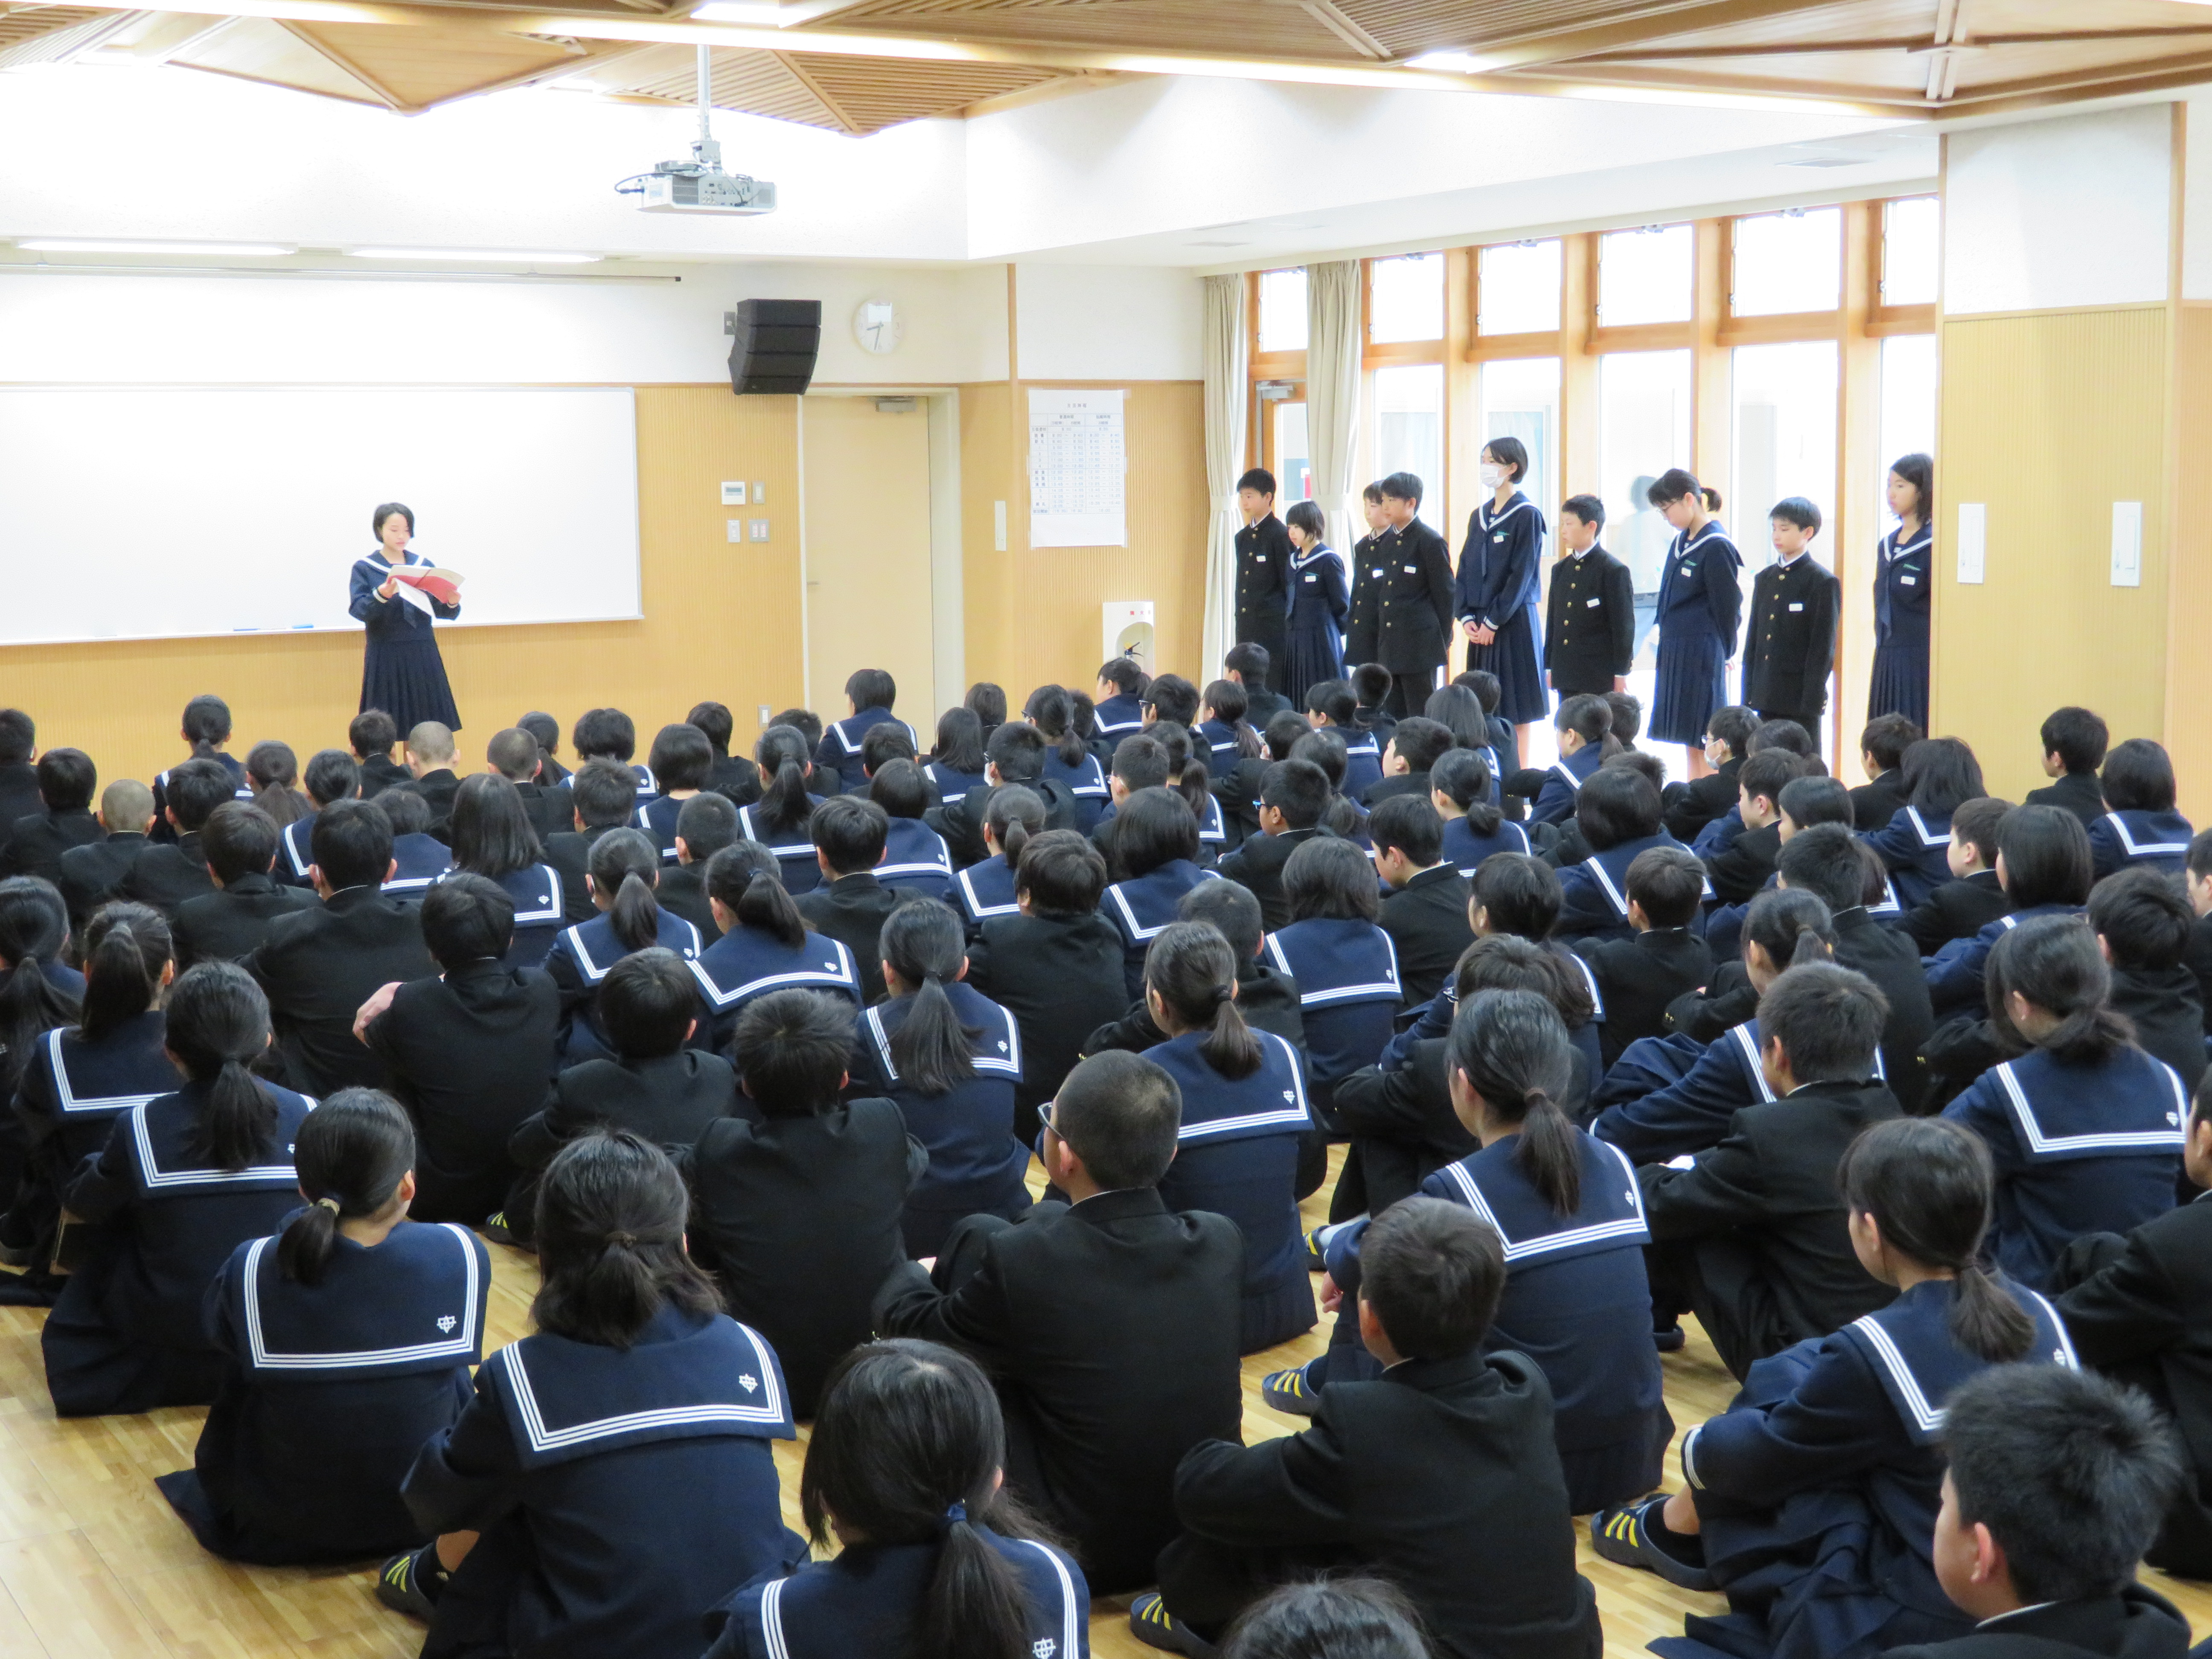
<point x="161" y="512"/>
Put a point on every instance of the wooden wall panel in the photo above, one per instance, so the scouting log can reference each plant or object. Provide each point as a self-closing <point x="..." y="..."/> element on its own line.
<point x="2049" y="418"/>
<point x="2189" y="578"/>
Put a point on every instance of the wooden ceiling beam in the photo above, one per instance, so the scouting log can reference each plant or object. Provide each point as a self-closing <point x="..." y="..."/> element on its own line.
<point x="1807" y="48"/>
<point x="1628" y="28"/>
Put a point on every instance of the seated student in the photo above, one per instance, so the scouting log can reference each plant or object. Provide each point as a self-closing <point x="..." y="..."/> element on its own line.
<point x="1464" y="794"/>
<point x="1119" y="707"/>
<point x="598" y="798"/>
<point x="1638" y="977"/>
<point x="1248" y="665"/>
<point x="317" y="967"/>
<point x="606" y="1542"/>
<point x="331" y="775"/>
<point x="273" y="771"/>
<point x="625" y="869"/>
<point x="987" y="889"/>
<point x="1812" y="1500"/>
<point x="1415" y="746"/>
<point x="2085" y="1128"/>
<point x="1743" y="867"/>
<point x="765" y="945"/>
<point x="849" y="834"/>
<point x="1293" y="795"/>
<point x="903" y="1464"/>
<point x="1787" y="736"/>
<point x="1693" y="805"/>
<point x="1426" y="913"/>
<point x="915" y="860"/>
<point x="38" y="990"/>
<point x="956" y="760"/>
<point x="680" y="762"/>
<point x="1344" y="966"/>
<point x="183" y="1179"/>
<point x="1188" y="777"/>
<point x="545" y="732"/>
<point x="1372" y="686"/>
<point x="731" y="777"/>
<point x="2141" y="827"/>
<point x="77" y="1078"/>
<point x="2142" y="925"/>
<point x="470" y="1049"/>
<point x="329" y="1389"/>
<point x="2197" y="883"/>
<point x="1140" y="762"/>
<point x="1939" y="774"/>
<point x="1013" y="757"/>
<point x="19" y="775"/>
<point x="513" y="754"/>
<point x="1222" y="734"/>
<point x="228" y="925"/>
<point x="886" y="744"/>
<point x="206" y="727"/>
<point x="430" y="756"/>
<point x="987" y="700"/>
<point x="1440" y="1475"/>
<point x="1627" y="717"/>
<point x="1067" y="759"/>
<point x="871" y="694"/>
<point x="419" y="859"/>
<point x="1751" y="1236"/>
<point x="1370" y="1617"/>
<point x="1266" y="997"/>
<point x="373" y="735"/>
<point x="34" y="843"/>
<point x="491" y="837"/>
<point x="607" y="735"/>
<point x="1345" y="818"/>
<point x="705" y="824"/>
<point x="1973" y="897"/>
<point x="1156" y="848"/>
<point x="950" y="1059"/>
<point x="808" y="724"/>
<point x="1333" y="705"/>
<point x="171" y="868"/>
<point x="2073" y="742"/>
<point x="2043" y="865"/>
<point x="1169" y="699"/>
<point x="1584" y="728"/>
<point x="90" y="875"/>
<point x="1109" y="1324"/>
<point x="1882" y="744"/>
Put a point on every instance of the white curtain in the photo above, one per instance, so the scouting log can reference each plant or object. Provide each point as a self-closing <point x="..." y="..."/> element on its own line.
<point x="1334" y="347"/>
<point x="1227" y="386"/>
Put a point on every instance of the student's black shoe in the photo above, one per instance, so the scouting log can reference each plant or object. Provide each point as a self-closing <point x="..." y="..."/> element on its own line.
<point x="1150" y="1623"/>
<point x="1624" y="1536"/>
<point x="17" y="1255"/>
<point x="1669" y="1338"/>
<point x="1288" y="1391"/>
<point x="496" y="1229"/>
<point x="1315" y="1262"/>
<point x="409" y="1584"/>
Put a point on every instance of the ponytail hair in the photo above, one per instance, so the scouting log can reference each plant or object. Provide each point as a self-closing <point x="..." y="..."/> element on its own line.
<point x="933" y="1050"/>
<point x="351" y="1154"/>
<point x="1792" y="926"/>
<point x="1015" y="813"/>
<point x="611" y="1210"/>
<point x="626" y="865"/>
<point x="218" y="1021"/>
<point x="2053" y="961"/>
<point x="1590" y="719"/>
<point x="33" y="928"/>
<point x="1052" y="711"/>
<point x="1675" y="482"/>
<point x="1192" y="966"/>
<point x="125" y="948"/>
<point x="783" y="757"/>
<point x="747" y="879"/>
<point x="1231" y="705"/>
<point x="1929" y="1185"/>
<point x="1462" y="777"/>
<point x="1515" y="1051"/>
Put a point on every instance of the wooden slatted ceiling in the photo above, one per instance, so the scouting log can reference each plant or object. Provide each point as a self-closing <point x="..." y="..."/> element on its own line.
<point x="426" y="64"/>
<point x="40" y="35"/>
<point x="254" y="49"/>
<point x="1406" y="27"/>
<point x="875" y="94"/>
<point x="1253" y="28"/>
<point x="755" y="82"/>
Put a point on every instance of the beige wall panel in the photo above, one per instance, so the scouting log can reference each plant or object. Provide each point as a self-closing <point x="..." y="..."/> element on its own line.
<point x="2189" y="676"/>
<point x="868" y="602"/>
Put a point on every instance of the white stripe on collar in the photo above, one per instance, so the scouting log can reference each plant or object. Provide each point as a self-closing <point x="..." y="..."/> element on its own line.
<point x="2143" y="850"/>
<point x="1293" y="1115"/>
<point x="155" y="1177"/>
<point x="1627" y="1228"/>
<point x="768" y="1410"/>
<point x="66" y="1098"/>
<point x="1920" y="828"/>
<point x="1749" y="1047"/>
<point x="976" y="907"/>
<point x="2148" y="1140"/>
<point x="460" y="1345"/>
<point x="843" y="976"/>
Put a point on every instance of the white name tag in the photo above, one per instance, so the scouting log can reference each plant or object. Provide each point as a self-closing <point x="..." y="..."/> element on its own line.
<point x="1316" y="579"/>
<point x="1499" y="537"/>
<point x="1375" y="575"/>
<point x="1906" y="581"/>
<point x="1592" y="605"/>
<point x="1687" y="570"/>
<point x="1794" y="607"/>
<point x="1412" y="571"/>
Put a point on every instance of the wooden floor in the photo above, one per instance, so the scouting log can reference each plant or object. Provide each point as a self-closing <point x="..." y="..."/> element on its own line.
<point x="93" y="1563"/>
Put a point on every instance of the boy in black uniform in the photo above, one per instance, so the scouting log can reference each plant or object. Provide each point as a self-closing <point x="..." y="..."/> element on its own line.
<point x="93" y="874"/>
<point x="1263" y="570"/>
<point x="372" y="735"/>
<point x="1638" y="977"/>
<point x="1881" y="753"/>
<point x="1413" y="597"/>
<point x="1791" y="645"/>
<point x="2074" y="744"/>
<point x="1249" y="664"/>
<point x="1690" y="807"/>
<point x="1360" y="624"/>
<point x="1972" y="898"/>
<point x="1589" y="626"/>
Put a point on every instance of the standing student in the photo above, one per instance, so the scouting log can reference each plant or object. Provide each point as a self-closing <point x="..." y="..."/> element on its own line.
<point x="332" y="775"/>
<point x="228" y="925"/>
<point x="90" y="875"/>
<point x="765" y="945"/>
<point x="401" y="670"/>
<point x="625" y="869"/>
<point x="492" y="838"/>
<point x="1263" y="570"/>
<point x="1501" y="572"/>
<point x="871" y="694"/>
<point x="1313" y="647"/>
<point x="2141" y="827"/>
<point x="1413" y="599"/>
<point x="1589" y="626"/>
<point x="330" y="1387"/>
<point x="184" y="1178"/>
<point x="1700" y="602"/>
<point x="1790" y="645"/>
<point x="1363" y="613"/>
<point x="611" y="1477"/>
<point x="2074" y="745"/>
<point x="34" y="843"/>
<point x="681" y="761"/>
<point x="1904" y="586"/>
<point x="372" y="735"/>
<point x="778" y="820"/>
<point x="1914" y="846"/>
<point x="206" y="728"/>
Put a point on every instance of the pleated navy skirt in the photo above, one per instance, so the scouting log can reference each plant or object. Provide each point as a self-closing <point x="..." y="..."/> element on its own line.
<point x="1900" y="682"/>
<point x="1692" y="683"/>
<point x="1513" y="657"/>
<point x="406" y="678"/>
<point x="1311" y="656"/>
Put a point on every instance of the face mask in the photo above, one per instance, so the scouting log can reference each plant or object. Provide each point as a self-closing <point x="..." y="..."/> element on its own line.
<point x="1491" y="474"/>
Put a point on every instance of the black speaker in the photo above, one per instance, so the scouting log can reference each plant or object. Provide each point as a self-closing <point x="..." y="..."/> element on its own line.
<point x="776" y="342"/>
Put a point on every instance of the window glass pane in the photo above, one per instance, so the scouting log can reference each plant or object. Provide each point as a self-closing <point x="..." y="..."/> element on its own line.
<point x="1409" y="430"/>
<point x="1293" y="459"/>
<point x="1644" y="429"/>
<point x="1408" y="299"/>
<point x="1520" y="288"/>
<point x="1785" y="445"/>
<point x="1908" y="251"/>
<point x="1283" y="310"/>
<point x="1908" y="406"/>
<point x="1644" y="276"/>
<point x="1788" y="262"/>
<point x="1521" y="399"/>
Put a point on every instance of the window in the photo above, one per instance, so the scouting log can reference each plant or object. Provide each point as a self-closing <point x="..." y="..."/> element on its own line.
<point x="1519" y="289"/>
<point x="1644" y="429"/>
<point x="1787" y="262"/>
<point x="1908" y="406"/>
<point x="1521" y="399"/>
<point x="1909" y="243"/>
<point x="1409" y="430"/>
<point x="1785" y="439"/>
<point x="1644" y="276"/>
<point x="1293" y="459"/>
<point x="1405" y="298"/>
<point x="1283" y="310"/>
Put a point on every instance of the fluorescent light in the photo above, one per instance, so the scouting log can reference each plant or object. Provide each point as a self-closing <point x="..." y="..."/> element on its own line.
<point x="764" y="13"/>
<point x="470" y="253"/>
<point x="1457" y="63"/>
<point x="210" y="250"/>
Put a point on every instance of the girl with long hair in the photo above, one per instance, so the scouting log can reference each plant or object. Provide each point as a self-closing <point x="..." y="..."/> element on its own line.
<point x="492" y="837"/>
<point x="764" y="946"/>
<point x="624" y="870"/>
<point x="1903" y="585"/>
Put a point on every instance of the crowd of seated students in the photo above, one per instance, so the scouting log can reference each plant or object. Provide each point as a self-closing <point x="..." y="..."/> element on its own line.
<point x="1892" y="1089"/>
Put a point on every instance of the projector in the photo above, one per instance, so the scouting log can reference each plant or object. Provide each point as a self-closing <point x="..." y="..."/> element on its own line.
<point x="699" y="185"/>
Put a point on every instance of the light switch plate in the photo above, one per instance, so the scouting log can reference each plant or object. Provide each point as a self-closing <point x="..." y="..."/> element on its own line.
<point x="2127" y="543"/>
<point x="759" y="529"/>
<point x="737" y="529"/>
<point x="1973" y="541"/>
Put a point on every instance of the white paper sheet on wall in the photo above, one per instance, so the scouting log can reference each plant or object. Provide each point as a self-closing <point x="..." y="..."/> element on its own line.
<point x="1079" y="466"/>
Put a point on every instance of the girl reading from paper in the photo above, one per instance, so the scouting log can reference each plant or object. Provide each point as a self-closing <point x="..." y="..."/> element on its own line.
<point x="396" y="592"/>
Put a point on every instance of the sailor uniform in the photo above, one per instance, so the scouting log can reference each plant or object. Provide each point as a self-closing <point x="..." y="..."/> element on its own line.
<point x="948" y="784"/>
<point x="1590" y="625"/>
<point x="1212" y="832"/>
<point x="1263" y="589"/>
<point x="793" y="849"/>
<point x="331" y="1389"/>
<point x="1791" y="646"/>
<point x="839" y="751"/>
<point x="976" y="1164"/>
<point x="1120" y="716"/>
<point x="1555" y="802"/>
<point x="164" y="831"/>
<point x="985" y="889"/>
<point x="868" y="1600"/>
<point x="1915" y="847"/>
<point x="401" y="672"/>
<point x="1904" y="583"/>
<point x="2121" y="841"/>
<point x="1346" y="972"/>
<point x="2091" y="1148"/>
<point x="540" y="909"/>
<point x="619" y="1491"/>
<point x="1363" y="761"/>
<point x="424" y="861"/>
<point x="1238" y="1155"/>
<point x="1412" y="576"/>
<point x="1085" y="781"/>
<point x="1320" y="605"/>
<point x="1700" y="602"/>
<point x="1465" y="850"/>
<point x="915" y="860"/>
<point x="657" y="818"/>
<point x="1594" y="894"/>
<point x="295" y="851"/>
<point x="579" y="961"/>
<point x="746" y="963"/>
<point x="1141" y="907"/>
<point x="1500" y="574"/>
<point x="1214" y="743"/>
<point x="127" y="1334"/>
<point x="1955" y="973"/>
<point x="1817" y="1489"/>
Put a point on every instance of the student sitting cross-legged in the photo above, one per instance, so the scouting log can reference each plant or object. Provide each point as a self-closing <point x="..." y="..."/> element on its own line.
<point x="987" y="889"/>
<point x="1439" y="1475"/>
<point x="492" y="837"/>
<point x="1812" y="1500"/>
<point x="2142" y="827"/>
<point x="1108" y="1323"/>
<point x="239" y="842"/>
<point x="766" y="945"/>
<point x="349" y="1338"/>
<point x="1156" y="848"/>
<point x="1974" y="896"/>
<point x="915" y="860"/>
<point x="850" y="904"/>
<point x="1462" y="789"/>
<point x="1617" y="813"/>
<point x="625" y="868"/>
<point x="1638" y="977"/>
<point x="2044" y="868"/>
<point x="612" y="1478"/>
<point x="1267" y="998"/>
<point x="1914" y="846"/>
<point x="1345" y="967"/>
<point x="1331" y="1614"/>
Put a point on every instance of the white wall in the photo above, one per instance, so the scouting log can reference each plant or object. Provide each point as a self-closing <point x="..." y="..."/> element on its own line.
<point x="2197" y="200"/>
<point x="1108" y="322"/>
<point x="2067" y="212"/>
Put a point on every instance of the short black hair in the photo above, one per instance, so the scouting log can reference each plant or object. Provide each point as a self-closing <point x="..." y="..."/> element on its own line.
<point x="2143" y="918"/>
<point x="805" y="721"/>
<point x="351" y="844"/>
<point x="849" y="831"/>
<point x="1669" y="883"/>
<point x="1154" y="827"/>
<point x="239" y="839"/>
<point x="1229" y="908"/>
<point x="1329" y="879"/>
<point x="1140" y="762"/>
<point x="1324" y="747"/>
<point x="1062" y="873"/>
<point x="1433" y="1272"/>
<point x="1335" y="698"/>
<point x="681" y="757"/>
<point x="1887" y="737"/>
<point x="1298" y="789"/>
<point x="195" y="789"/>
<point x="1974" y="822"/>
<point x="882" y="744"/>
<point x="1120" y="1113"/>
<point x="1124" y="674"/>
<point x="1349" y="1618"/>
<point x="872" y="688"/>
<point x="1733" y="726"/>
<point x="1507" y="451"/>
<point x="1487" y="686"/>
<point x="603" y="795"/>
<point x="1823" y="859"/>
<point x="1409" y="824"/>
<point x="1307" y="516"/>
<point x="1402" y="487"/>
<point x="1797" y="510"/>
<point x="407" y="811"/>
<point x="1259" y="479"/>
<point x="19" y="736"/>
<point x="1171" y="697"/>
<point x="705" y="824"/>
<point x="1782" y="734"/>
<point x="332" y="774"/>
<point x="793" y="1049"/>
<point x="1827" y="1019"/>
<point x="900" y="789"/>
<point x="466" y="917"/>
<point x="1284" y="730"/>
<point x="603" y="734"/>
<point x="67" y="779"/>
<point x="2071" y="1473"/>
<point x="647" y="1004"/>
<point x="1420" y="740"/>
<point x="714" y="720"/>
<point x="371" y="731"/>
<point x="1518" y="893"/>
<point x="2046" y="856"/>
<point x="2077" y="736"/>
<point x="1808" y="799"/>
<point x="1765" y="773"/>
<point x="1617" y="804"/>
<point x="1371" y="683"/>
<point x="1588" y="509"/>
<point x="2198" y="862"/>
<point x="1627" y="715"/>
<point x="2138" y="777"/>
<point x="1016" y="749"/>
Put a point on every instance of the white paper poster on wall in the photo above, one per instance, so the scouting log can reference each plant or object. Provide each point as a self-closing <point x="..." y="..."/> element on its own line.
<point x="1078" y="465"/>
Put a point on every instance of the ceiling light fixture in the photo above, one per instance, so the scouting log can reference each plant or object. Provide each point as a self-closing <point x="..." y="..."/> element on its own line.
<point x="209" y="249"/>
<point x="758" y="14"/>
<point x="1455" y="62"/>
<point x="492" y="256"/>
